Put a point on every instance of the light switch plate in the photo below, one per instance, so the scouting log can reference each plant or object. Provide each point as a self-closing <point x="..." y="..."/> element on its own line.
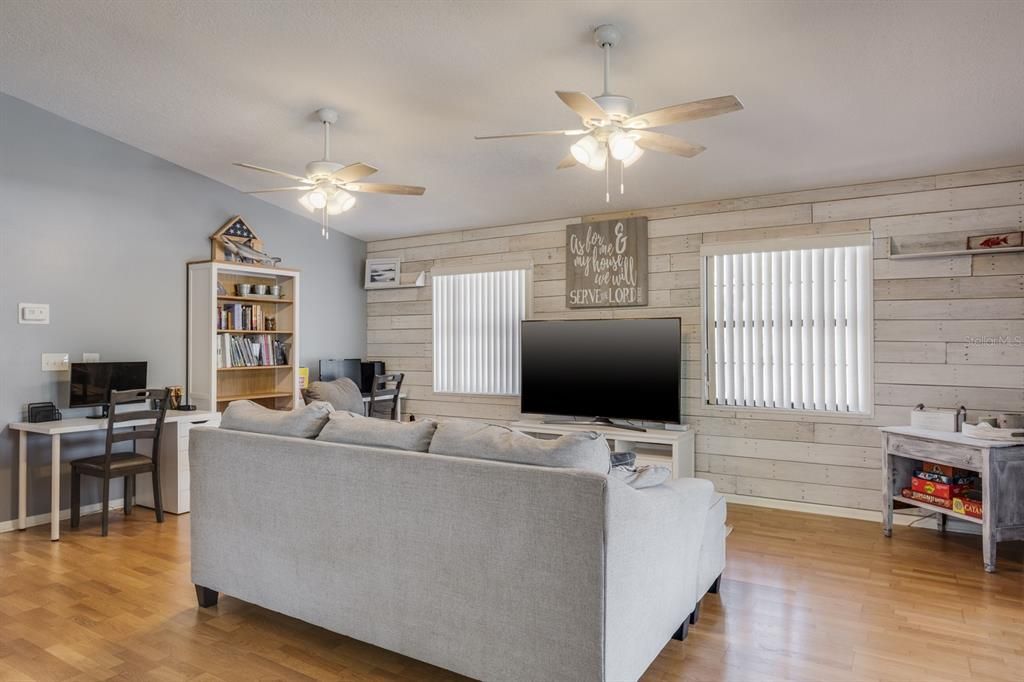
<point x="33" y="313"/>
<point x="55" y="362"/>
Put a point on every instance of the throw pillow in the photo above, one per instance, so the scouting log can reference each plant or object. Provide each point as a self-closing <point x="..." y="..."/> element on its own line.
<point x="305" y="422"/>
<point x="459" y="438"/>
<point x="643" y="476"/>
<point x="342" y="394"/>
<point x="355" y="429"/>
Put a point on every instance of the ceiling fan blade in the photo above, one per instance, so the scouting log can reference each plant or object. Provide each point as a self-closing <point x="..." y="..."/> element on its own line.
<point x="279" y="189"/>
<point x="583" y="104"/>
<point x="691" y="111"/>
<point x="383" y="188"/>
<point x="568" y="162"/>
<point x="539" y="132"/>
<point x="658" y="142"/>
<point x="353" y="171"/>
<point x="274" y="172"/>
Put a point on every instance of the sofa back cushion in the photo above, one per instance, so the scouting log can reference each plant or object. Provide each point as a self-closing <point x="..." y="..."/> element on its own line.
<point x="355" y="429"/>
<point x="305" y="422"/>
<point x="461" y="438"/>
<point x="342" y="394"/>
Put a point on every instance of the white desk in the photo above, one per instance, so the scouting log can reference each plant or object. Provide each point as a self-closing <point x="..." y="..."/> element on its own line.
<point x="175" y="429"/>
<point x="681" y="442"/>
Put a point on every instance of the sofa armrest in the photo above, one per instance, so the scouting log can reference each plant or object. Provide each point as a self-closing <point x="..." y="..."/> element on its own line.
<point x="654" y="537"/>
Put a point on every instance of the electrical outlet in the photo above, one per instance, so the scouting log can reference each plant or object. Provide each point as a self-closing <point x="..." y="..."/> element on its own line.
<point x="55" y="362"/>
<point x="33" y="313"/>
<point x="90" y="357"/>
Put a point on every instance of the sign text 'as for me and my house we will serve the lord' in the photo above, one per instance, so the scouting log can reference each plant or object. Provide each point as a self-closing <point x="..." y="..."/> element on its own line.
<point x="606" y="264"/>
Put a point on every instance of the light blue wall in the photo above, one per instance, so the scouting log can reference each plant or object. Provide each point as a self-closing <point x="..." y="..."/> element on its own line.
<point x="101" y="231"/>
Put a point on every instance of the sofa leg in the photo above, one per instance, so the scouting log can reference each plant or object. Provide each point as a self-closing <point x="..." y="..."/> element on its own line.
<point x="715" y="585"/>
<point x="206" y="597"/>
<point x="695" y="616"/>
<point x="683" y="631"/>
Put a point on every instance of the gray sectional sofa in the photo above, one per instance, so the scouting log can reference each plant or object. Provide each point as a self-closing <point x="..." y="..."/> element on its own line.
<point x="495" y="570"/>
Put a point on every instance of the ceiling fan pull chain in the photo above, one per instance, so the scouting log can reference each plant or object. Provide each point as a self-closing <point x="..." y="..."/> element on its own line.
<point x="622" y="177"/>
<point x="607" y="182"/>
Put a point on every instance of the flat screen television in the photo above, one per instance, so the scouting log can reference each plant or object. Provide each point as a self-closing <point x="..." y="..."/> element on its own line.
<point x="92" y="382"/>
<point x="602" y="369"/>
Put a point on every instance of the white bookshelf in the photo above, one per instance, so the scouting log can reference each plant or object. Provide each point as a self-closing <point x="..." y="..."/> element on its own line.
<point x="211" y="387"/>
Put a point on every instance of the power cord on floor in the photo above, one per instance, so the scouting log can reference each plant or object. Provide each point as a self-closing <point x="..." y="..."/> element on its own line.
<point x="934" y="515"/>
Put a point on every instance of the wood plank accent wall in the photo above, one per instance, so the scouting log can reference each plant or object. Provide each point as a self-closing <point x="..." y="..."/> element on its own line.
<point x="948" y="331"/>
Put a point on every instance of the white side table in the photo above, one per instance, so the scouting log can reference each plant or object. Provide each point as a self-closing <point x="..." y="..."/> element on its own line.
<point x="1000" y="464"/>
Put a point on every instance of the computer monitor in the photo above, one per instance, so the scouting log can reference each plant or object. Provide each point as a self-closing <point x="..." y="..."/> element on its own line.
<point x="359" y="371"/>
<point x="92" y="382"/>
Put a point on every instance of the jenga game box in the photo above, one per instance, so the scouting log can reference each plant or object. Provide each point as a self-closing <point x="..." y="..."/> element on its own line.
<point x="925" y="497"/>
<point x="946" y="491"/>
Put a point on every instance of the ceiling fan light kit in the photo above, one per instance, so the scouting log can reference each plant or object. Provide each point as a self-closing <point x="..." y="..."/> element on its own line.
<point x="611" y="129"/>
<point x="327" y="185"/>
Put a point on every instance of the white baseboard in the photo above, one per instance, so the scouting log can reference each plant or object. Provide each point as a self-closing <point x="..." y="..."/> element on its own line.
<point x="65" y="514"/>
<point x="900" y="518"/>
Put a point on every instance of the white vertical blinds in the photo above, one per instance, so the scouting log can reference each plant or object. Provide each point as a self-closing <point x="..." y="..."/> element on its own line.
<point x="476" y="331"/>
<point x="790" y="328"/>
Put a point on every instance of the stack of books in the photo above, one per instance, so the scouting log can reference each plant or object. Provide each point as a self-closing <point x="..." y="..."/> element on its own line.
<point x="250" y="350"/>
<point x="946" y="487"/>
<point x="241" y="317"/>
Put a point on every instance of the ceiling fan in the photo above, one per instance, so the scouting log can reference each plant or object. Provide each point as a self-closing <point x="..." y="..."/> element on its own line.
<point x="612" y="129"/>
<point x="327" y="185"/>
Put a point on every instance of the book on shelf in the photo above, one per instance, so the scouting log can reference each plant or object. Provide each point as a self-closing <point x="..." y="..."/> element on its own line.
<point x="250" y="350"/>
<point x="241" y="317"/>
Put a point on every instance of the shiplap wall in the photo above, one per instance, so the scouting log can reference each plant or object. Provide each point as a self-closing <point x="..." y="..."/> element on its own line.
<point x="948" y="331"/>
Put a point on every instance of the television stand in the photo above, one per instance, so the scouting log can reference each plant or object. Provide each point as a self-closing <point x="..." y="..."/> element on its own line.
<point x="621" y="439"/>
<point x="597" y="421"/>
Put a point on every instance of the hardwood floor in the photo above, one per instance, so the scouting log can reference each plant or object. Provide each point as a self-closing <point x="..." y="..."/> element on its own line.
<point x="804" y="598"/>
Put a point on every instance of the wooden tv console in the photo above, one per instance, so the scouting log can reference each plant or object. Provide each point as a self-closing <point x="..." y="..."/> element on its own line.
<point x="680" y="441"/>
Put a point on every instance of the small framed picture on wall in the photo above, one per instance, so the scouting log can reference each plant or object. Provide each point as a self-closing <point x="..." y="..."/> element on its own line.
<point x="382" y="273"/>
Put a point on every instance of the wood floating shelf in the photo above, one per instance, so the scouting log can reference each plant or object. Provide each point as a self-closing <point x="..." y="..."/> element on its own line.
<point x="254" y="396"/>
<point x="255" y="299"/>
<point x="396" y="286"/>
<point x="895" y="255"/>
<point x="935" y="508"/>
<point x="238" y="369"/>
<point x="962" y="252"/>
<point x="253" y="331"/>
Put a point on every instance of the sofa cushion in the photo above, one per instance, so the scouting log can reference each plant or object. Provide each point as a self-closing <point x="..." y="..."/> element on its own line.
<point x="641" y="476"/>
<point x="461" y="438"/>
<point x="342" y="394"/>
<point x="355" y="429"/>
<point x="305" y="422"/>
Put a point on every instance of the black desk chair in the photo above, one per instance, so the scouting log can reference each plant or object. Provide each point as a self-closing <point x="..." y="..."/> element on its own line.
<point x="127" y="464"/>
<point x="384" y="396"/>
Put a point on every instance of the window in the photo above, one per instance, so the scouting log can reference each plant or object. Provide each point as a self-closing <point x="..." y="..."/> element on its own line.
<point x="476" y="330"/>
<point x="788" y="324"/>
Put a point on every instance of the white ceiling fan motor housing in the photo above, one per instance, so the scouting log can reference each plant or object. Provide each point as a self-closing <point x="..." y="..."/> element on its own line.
<point x="315" y="169"/>
<point x="619" y="107"/>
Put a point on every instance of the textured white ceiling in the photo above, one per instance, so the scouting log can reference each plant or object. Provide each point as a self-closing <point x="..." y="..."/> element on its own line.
<point x="835" y="93"/>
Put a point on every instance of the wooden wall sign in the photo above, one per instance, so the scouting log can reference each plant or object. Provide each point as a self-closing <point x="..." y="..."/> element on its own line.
<point x="606" y="264"/>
